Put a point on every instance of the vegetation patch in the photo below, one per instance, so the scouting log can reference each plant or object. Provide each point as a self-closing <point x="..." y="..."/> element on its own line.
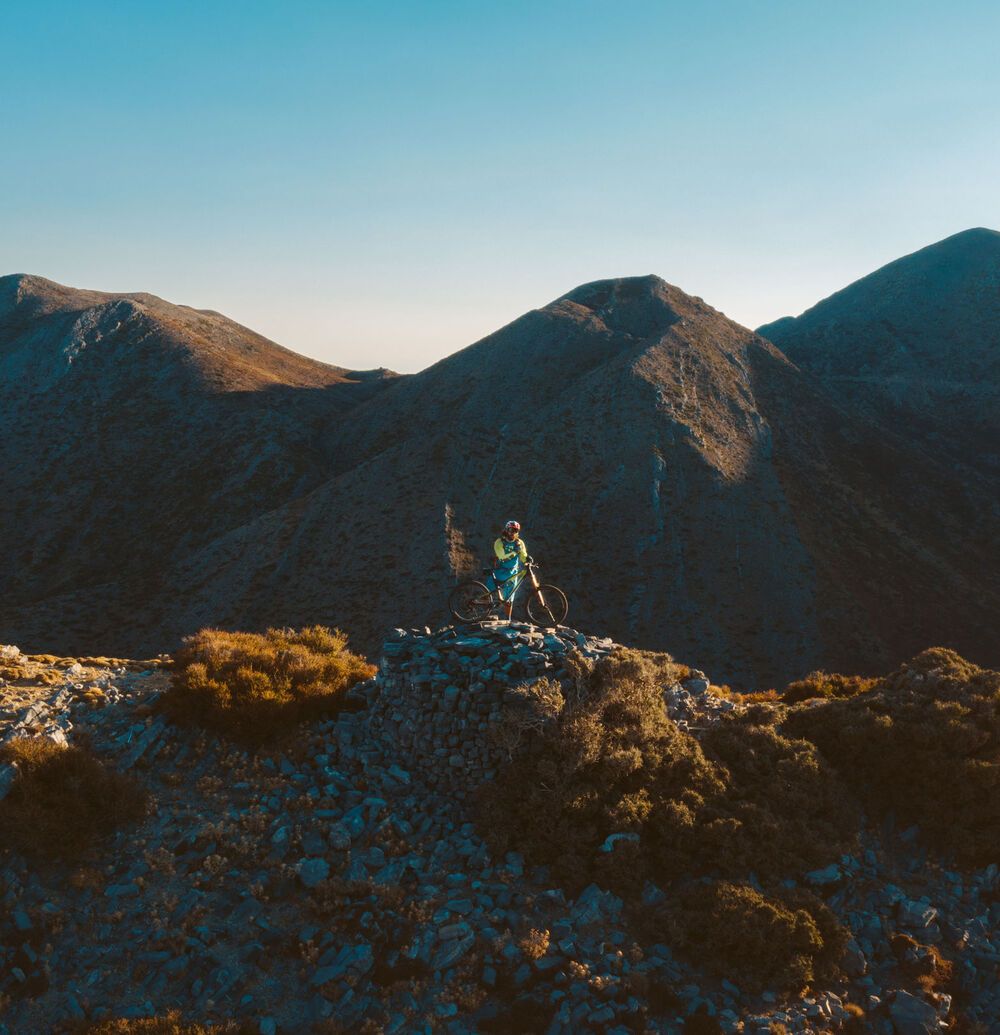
<point x="256" y="686"/>
<point x="12" y="670"/>
<point x="168" y="1024"/>
<point x="63" y="799"/>
<point x="602" y="785"/>
<point x="923" y="965"/>
<point x="826" y="685"/>
<point x="925" y="744"/>
<point x="759" y="941"/>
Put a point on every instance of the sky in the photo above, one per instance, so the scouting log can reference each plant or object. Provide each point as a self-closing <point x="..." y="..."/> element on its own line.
<point x="381" y="184"/>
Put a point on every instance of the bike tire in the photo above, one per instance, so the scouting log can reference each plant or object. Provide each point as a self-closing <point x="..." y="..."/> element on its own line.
<point x="470" y="602"/>
<point x="547" y="605"/>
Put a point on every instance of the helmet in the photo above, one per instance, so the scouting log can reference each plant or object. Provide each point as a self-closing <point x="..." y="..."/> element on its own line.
<point x="513" y="527"/>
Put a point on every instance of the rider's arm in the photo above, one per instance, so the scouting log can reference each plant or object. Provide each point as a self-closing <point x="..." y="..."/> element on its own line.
<point x="522" y="551"/>
<point x="499" y="550"/>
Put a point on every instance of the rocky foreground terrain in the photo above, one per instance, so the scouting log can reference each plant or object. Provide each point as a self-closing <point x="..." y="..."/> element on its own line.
<point x="341" y="882"/>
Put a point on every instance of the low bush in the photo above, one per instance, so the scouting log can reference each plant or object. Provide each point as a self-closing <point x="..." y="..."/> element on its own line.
<point x="256" y="686"/>
<point x="63" y="799"/>
<point x="925" y="744"/>
<point x="756" y="940"/>
<point x="826" y="685"/>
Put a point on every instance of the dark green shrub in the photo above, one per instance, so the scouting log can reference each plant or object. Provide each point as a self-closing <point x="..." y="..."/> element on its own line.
<point x="255" y="687"/>
<point x="609" y="760"/>
<point x="757" y="941"/>
<point x="63" y="799"/>
<point x="924" y="743"/>
<point x="701" y="1024"/>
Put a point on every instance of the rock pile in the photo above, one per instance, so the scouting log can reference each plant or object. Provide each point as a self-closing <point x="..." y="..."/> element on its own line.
<point x="437" y="695"/>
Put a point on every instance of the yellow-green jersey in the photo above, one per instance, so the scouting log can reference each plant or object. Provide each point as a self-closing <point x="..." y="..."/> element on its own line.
<point x="508" y="551"/>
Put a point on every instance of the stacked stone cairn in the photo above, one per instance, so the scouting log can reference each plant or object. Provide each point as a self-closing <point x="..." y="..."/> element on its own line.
<point x="438" y="695"/>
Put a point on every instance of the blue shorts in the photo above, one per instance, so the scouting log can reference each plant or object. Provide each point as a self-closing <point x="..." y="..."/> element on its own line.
<point x="501" y="579"/>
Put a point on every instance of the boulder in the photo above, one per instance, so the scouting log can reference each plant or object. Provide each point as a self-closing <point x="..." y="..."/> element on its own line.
<point x="915" y="915"/>
<point x="913" y="1016"/>
<point x="313" y="871"/>
<point x="854" y="963"/>
<point x="8" y="774"/>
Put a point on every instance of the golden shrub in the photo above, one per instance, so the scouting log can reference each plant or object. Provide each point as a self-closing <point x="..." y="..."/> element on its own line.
<point x="758" y="941"/>
<point x="826" y="685"/>
<point x="256" y="686"/>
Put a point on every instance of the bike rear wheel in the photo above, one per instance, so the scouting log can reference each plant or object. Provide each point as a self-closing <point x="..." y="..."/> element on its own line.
<point x="470" y="602"/>
<point x="547" y="605"/>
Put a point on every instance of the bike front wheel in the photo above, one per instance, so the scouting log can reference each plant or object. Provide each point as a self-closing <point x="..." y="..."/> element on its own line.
<point x="547" y="605"/>
<point x="470" y="602"/>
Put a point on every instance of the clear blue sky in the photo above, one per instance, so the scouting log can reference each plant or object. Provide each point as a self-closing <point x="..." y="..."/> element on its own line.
<point x="383" y="183"/>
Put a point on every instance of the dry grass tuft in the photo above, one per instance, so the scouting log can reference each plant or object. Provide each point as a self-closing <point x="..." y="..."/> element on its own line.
<point x="923" y="965"/>
<point x="924" y="743"/>
<point x="63" y="800"/>
<point x="255" y="687"/>
<point x="750" y="697"/>
<point x="534" y="944"/>
<point x="168" y="1024"/>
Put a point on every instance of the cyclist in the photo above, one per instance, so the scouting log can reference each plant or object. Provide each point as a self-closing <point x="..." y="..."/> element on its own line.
<point x="511" y="556"/>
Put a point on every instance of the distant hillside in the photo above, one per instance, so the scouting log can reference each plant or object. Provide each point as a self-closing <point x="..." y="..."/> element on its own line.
<point x="133" y="431"/>
<point x="688" y="486"/>
<point x="918" y="340"/>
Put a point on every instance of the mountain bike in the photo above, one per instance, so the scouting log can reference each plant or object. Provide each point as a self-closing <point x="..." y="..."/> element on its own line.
<point x="473" y="601"/>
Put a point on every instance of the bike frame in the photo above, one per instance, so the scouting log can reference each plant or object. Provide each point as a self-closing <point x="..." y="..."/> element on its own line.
<point x="527" y="572"/>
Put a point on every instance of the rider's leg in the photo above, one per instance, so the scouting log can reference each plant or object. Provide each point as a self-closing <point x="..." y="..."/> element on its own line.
<point x="507" y="600"/>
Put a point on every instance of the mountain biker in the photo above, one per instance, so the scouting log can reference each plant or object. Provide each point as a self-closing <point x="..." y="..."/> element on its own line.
<point x="511" y="556"/>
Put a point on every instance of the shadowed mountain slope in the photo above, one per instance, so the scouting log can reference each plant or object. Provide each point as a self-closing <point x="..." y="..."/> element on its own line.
<point x="132" y="431"/>
<point x="688" y="486"/>
<point x="916" y="341"/>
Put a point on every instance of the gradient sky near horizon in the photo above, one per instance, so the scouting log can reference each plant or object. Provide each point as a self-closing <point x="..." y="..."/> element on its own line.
<point x="380" y="184"/>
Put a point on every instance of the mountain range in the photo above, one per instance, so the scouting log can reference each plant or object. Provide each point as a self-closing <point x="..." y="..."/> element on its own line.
<point x="824" y="492"/>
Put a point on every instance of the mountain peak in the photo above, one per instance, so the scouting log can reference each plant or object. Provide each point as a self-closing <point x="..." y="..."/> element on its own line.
<point x="973" y="234"/>
<point x="918" y="339"/>
<point x="640" y="307"/>
<point x="599" y="293"/>
<point x="977" y="244"/>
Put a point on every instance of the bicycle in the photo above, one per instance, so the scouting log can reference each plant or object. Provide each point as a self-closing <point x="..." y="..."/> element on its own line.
<point x="472" y="601"/>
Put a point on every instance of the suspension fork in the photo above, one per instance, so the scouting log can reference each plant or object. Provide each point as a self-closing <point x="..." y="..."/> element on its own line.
<point x="535" y="584"/>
